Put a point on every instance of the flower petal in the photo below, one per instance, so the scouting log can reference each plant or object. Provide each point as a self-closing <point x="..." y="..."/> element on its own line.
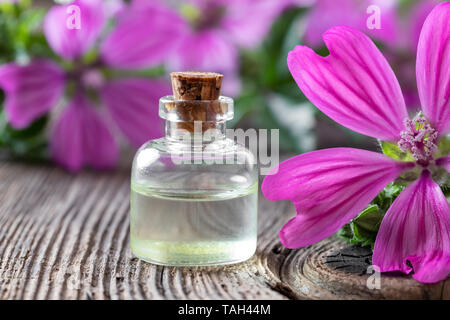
<point x="68" y="39"/>
<point x="208" y="51"/>
<point x="328" y="187"/>
<point x="444" y="162"/>
<point x="248" y="21"/>
<point x="81" y="137"/>
<point x="133" y="105"/>
<point x="354" y="85"/>
<point x="145" y="34"/>
<point x="31" y="91"/>
<point x="231" y="84"/>
<point x="433" y="67"/>
<point x="415" y="233"/>
<point x="205" y="51"/>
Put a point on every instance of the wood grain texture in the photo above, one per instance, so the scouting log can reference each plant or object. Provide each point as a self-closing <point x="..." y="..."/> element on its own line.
<point x="65" y="236"/>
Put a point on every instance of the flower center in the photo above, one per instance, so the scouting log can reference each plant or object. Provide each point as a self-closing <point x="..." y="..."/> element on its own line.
<point x="420" y="139"/>
<point x="92" y="78"/>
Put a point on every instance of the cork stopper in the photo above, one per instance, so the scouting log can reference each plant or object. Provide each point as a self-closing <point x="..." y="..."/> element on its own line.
<point x="196" y="96"/>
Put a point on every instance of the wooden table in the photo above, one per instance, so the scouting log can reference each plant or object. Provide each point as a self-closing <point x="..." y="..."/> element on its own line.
<point x="65" y="236"/>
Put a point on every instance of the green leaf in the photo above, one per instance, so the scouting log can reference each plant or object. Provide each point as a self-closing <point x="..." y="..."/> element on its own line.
<point x="157" y="71"/>
<point x="345" y="233"/>
<point x="364" y="228"/>
<point x="446" y="191"/>
<point x="27" y="144"/>
<point x="282" y="38"/>
<point x="394" y="152"/>
<point x="387" y="196"/>
<point x="21" y="36"/>
<point x="441" y="176"/>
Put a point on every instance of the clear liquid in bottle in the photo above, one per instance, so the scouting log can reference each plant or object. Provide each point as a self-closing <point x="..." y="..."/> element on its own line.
<point x="193" y="227"/>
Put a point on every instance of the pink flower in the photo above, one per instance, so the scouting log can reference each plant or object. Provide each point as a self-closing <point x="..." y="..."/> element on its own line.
<point x="83" y="133"/>
<point x="217" y="28"/>
<point x="352" y="13"/>
<point x="355" y="86"/>
<point x="144" y="35"/>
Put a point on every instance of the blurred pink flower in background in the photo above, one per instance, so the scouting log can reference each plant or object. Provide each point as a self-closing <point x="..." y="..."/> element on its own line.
<point x="352" y="13"/>
<point x="145" y="34"/>
<point x="83" y="133"/>
<point x="216" y="29"/>
<point x="402" y="53"/>
<point x="202" y="35"/>
<point x="395" y="20"/>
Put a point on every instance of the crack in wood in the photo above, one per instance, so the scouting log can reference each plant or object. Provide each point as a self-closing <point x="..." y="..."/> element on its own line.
<point x="351" y="258"/>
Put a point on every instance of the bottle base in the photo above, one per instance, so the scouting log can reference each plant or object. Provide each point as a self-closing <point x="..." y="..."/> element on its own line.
<point x="200" y="253"/>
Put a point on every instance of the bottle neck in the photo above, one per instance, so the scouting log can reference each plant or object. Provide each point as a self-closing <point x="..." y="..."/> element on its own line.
<point x="206" y="132"/>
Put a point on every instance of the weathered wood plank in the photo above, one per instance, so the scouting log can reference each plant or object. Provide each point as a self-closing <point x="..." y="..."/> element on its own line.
<point x="65" y="236"/>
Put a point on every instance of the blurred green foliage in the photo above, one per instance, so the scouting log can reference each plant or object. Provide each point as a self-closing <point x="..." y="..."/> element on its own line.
<point x="264" y="72"/>
<point x="20" y="32"/>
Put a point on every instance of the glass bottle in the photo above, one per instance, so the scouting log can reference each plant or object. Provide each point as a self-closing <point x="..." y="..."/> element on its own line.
<point x="194" y="192"/>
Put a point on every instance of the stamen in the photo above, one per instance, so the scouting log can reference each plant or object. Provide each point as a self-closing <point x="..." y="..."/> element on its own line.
<point x="419" y="138"/>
